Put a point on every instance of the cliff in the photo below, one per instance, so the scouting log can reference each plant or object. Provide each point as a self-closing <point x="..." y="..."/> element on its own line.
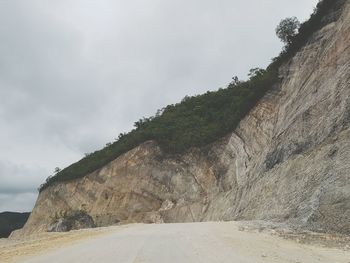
<point x="288" y="161"/>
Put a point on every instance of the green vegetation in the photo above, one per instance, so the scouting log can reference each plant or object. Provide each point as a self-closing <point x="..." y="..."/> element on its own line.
<point x="319" y="18"/>
<point x="199" y="120"/>
<point x="10" y="221"/>
<point x="287" y="29"/>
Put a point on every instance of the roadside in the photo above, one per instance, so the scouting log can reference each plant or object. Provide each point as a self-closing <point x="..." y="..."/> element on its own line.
<point x="297" y="235"/>
<point x="15" y="249"/>
<point x="188" y="242"/>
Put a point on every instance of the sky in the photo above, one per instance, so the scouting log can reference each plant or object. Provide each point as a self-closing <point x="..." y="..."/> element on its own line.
<point x="76" y="73"/>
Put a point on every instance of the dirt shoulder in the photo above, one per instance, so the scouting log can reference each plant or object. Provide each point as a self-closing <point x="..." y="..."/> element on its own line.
<point x="336" y="241"/>
<point x="15" y="249"/>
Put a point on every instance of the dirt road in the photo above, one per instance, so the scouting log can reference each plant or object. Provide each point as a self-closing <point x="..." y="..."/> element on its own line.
<point x="181" y="243"/>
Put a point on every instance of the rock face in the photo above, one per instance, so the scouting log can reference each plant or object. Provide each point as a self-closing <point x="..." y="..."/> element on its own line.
<point x="288" y="161"/>
<point x="72" y="221"/>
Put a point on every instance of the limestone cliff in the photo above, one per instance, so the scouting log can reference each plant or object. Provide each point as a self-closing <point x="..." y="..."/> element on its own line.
<point x="288" y="161"/>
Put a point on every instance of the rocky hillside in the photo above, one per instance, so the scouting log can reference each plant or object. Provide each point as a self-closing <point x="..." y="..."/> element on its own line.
<point x="287" y="161"/>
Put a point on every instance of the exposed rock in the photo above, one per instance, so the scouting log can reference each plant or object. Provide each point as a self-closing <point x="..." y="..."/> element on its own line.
<point x="75" y="220"/>
<point x="167" y="204"/>
<point x="288" y="161"/>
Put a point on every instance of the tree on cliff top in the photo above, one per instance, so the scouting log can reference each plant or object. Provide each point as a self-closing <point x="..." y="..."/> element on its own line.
<point x="287" y="29"/>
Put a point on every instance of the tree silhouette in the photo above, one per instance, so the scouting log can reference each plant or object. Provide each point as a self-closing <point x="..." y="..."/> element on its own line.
<point x="287" y="29"/>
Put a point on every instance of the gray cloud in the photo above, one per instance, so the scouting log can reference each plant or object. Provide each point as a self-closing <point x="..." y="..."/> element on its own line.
<point x="19" y="178"/>
<point x="75" y="73"/>
<point x="22" y="202"/>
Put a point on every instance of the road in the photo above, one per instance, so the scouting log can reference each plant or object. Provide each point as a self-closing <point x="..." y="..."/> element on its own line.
<point x="182" y="243"/>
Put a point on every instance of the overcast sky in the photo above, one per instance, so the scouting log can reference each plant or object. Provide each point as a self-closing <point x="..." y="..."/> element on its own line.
<point x="75" y="73"/>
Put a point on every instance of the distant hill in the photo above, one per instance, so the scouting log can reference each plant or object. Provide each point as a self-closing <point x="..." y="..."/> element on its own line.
<point x="10" y="221"/>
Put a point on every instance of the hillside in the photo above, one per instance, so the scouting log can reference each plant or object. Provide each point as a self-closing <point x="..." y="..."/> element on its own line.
<point x="275" y="148"/>
<point x="200" y="120"/>
<point x="10" y="221"/>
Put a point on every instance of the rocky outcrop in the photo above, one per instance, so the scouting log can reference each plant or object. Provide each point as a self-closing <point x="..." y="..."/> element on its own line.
<point x="71" y="221"/>
<point x="288" y="161"/>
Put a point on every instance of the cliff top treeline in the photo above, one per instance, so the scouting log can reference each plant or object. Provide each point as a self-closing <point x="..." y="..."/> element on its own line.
<point x="199" y="120"/>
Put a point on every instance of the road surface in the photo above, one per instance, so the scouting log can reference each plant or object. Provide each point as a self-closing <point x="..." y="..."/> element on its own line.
<point x="182" y="243"/>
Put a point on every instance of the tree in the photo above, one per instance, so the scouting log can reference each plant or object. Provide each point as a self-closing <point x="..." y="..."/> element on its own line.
<point x="186" y="98"/>
<point x="256" y="72"/>
<point x="235" y="81"/>
<point x="287" y="29"/>
<point x="57" y="170"/>
<point x="121" y="135"/>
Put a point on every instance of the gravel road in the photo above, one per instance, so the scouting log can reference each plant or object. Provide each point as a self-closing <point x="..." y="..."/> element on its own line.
<point x="182" y="243"/>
